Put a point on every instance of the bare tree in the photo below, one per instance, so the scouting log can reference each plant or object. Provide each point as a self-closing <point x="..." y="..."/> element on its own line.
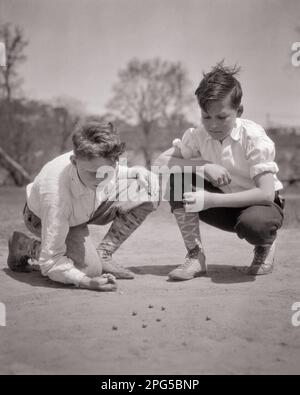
<point x="150" y="93"/>
<point x="67" y="112"/>
<point x="15" y="141"/>
<point x="19" y="175"/>
<point x="15" y="44"/>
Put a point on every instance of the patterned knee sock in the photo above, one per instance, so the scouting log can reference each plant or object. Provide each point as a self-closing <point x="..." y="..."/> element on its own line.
<point x="122" y="227"/>
<point x="189" y="227"/>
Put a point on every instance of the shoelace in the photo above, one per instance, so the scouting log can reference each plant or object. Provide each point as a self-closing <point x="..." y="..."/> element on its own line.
<point x="260" y="254"/>
<point x="187" y="262"/>
<point x="107" y="256"/>
<point x="192" y="255"/>
<point x="35" y="249"/>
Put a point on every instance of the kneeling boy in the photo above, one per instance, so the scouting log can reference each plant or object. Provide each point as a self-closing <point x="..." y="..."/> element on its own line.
<point x="68" y="195"/>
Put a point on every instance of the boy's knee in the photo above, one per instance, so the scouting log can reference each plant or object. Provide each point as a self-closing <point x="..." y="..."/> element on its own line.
<point x="176" y="205"/>
<point x="179" y="183"/>
<point x="82" y="251"/>
<point x="258" y="225"/>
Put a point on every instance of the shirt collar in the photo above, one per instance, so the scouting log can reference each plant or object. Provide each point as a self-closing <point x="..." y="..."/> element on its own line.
<point x="236" y="131"/>
<point x="77" y="187"/>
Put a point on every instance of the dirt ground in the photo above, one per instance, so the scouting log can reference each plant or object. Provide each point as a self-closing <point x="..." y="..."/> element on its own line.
<point x="226" y="323"/>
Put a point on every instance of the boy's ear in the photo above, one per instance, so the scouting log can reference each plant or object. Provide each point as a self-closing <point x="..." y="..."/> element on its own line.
<point x="73" y="160"/>
<point x="240" y="110"/>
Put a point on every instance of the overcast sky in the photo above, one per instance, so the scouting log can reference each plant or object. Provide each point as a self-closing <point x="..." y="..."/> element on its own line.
<point x="76" y="47"/>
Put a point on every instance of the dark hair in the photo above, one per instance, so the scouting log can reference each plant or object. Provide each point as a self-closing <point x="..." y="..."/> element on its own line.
<point x="95" y="139"/>
<point x="219" y="83"/>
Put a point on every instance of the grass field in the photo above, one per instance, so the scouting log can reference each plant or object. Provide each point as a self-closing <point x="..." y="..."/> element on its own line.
<point x="223" y="323"/>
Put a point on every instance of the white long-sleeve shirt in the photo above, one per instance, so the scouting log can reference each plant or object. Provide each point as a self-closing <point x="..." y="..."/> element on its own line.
<point x="245" y="153"/>
<point x="61" y="200"/>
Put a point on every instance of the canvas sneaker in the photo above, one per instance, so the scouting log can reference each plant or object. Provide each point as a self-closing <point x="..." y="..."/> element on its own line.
<point x="193" y="266"/>
<point x="263" y="261"/>
<point x="109" y="266"/>
<point x="22" y="249"/>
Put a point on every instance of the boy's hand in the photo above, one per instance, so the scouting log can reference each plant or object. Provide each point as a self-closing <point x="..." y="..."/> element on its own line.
<point x="104" y="283"/>
<point x="198" y="201"/>
<point x="147" y="180"/>
<point x="217" y="175"/>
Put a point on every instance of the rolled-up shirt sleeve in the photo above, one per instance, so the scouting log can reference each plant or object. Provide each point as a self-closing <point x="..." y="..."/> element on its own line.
<point x="55" y="227"/>
<point x="261" y="156"/>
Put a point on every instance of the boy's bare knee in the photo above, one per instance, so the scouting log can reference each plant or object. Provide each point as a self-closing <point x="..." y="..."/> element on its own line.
<point x="257" y="227"/>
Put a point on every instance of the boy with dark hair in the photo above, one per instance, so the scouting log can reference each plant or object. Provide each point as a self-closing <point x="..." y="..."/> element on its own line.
<point x="241" y="189"/>
<point x="76" y="189"/>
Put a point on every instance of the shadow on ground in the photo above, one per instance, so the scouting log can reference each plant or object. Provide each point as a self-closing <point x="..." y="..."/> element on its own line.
<point x="35" y="279"/>
<point x="219" y="274"/>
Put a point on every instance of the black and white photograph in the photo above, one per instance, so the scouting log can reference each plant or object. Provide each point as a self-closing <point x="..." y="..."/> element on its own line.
<point x="149" y="190"/>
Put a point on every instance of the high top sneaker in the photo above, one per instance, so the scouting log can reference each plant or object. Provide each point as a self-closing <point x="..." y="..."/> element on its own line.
<point x="194" y="266"/>
<point x="263" y="261"/>
<point x="122" y="227"/>
<point x="109" y="266"/>
<point x="21" y="248"/>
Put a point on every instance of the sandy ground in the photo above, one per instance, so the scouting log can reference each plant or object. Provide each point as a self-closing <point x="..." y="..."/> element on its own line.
<point x="226" y="323"/>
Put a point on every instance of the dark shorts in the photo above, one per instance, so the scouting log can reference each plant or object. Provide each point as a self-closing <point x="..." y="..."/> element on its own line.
<point x="257" y="224"/>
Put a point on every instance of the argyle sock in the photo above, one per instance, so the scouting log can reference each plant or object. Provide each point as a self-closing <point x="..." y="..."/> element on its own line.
<point x="122" y="227"/>
<point x="189" y="227"/>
